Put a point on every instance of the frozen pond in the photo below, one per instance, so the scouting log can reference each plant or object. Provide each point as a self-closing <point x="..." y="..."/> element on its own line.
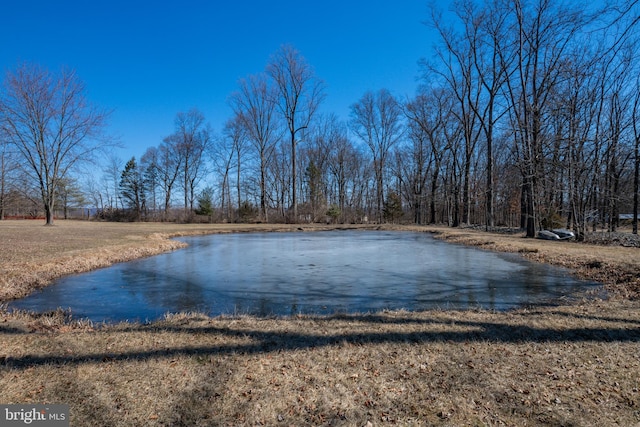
<point x="316" y="272"/>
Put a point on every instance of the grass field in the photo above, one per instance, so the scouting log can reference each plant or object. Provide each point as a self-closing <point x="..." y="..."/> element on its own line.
<point x="574" y="364"/>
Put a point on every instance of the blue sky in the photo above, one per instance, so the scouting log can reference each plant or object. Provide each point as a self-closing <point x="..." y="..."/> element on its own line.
<point x="149" y="60"/>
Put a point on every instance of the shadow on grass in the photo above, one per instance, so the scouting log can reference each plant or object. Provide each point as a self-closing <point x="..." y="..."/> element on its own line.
<point x="10" y="330"/>
<point x="273" y="341"/>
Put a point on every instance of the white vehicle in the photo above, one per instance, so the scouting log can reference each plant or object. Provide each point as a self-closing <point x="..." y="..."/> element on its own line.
<point x="556" y="234"/>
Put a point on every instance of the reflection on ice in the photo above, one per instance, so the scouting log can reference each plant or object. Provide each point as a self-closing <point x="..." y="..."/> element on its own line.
<point x="321" y="272"/>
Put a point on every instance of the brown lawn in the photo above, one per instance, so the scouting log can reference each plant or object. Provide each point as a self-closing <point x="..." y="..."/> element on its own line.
<point x="573" y="364"/>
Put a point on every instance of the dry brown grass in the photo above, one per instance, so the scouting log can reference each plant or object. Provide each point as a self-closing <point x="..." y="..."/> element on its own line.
<point x="32" y="255"/>
<point x="553" y="366"/>
<point x="568" y="365"/>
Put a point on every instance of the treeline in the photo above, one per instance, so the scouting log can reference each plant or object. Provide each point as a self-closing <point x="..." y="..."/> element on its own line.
<point x="528" y="116"/>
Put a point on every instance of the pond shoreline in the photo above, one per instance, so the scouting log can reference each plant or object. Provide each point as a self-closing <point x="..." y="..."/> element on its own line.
<point x="575" y="364"/>
<point x="318" y="273"/>
<point x="20" y="275"/>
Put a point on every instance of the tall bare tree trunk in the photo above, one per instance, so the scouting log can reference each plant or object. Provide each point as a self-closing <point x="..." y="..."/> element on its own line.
<point x="299" y="95"/>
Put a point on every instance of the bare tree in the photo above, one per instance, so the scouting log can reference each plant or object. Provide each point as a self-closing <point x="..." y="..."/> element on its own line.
<point x="253" y="105"/>
<point x="459" y="59"/>
<point x="8" y="166"/>
<point x="181" y="155"/>
<point x="636" y="154"/>
<point x="51" y="123"/>
<point x="344" y="164"/>
<point x="543" y="33"/>
<point x="237" y="134"/>
<point x="3" y="177"/>
<point x="376" y="120"/>
<point x="193" y="138"/>
<point x="299" y="94"/>
<point x="168" y="165"/>
<point x="321" y="137"/>
<point x="428" y="114"/>
<point x="279" y="178"/>
<point x="94" y="191"/>
<point x="111" y="179"/>
<point x="636" y="181"/>
<point x="229" y="146"/>
<point x="70" y="195"/>
<point x="487" y="28"/>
